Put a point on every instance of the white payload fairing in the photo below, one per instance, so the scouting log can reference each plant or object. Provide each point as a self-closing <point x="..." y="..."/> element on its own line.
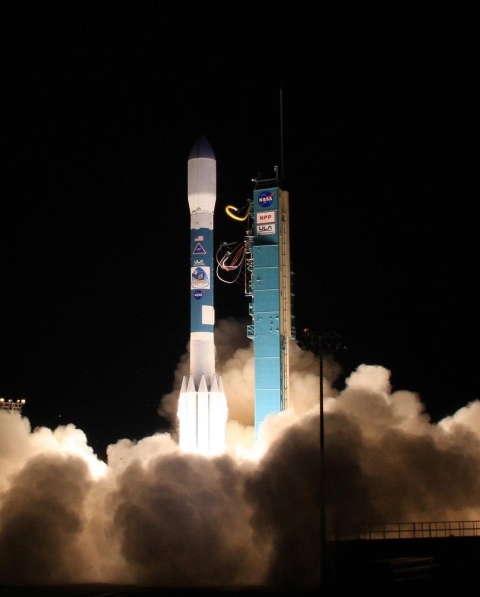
<point x="202" y="408"/>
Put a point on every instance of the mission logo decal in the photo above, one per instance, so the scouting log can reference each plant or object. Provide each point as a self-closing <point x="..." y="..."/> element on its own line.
<point x="265" y="217"/>
<point x="200" y="277"/>
<point x="199" y="250"/>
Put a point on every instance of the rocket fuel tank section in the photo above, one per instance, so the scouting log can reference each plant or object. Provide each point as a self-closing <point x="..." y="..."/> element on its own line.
<point x="202" y="409"/>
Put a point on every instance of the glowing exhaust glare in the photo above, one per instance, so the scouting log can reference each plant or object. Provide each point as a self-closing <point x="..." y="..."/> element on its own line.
<point x="202" y="417"/>
<point x="218" y="416"/>
<point x="203" y="404"/>
<point x="187" y="415"/>
<point x="70" y="440"/>
<point x="97" y="467"/>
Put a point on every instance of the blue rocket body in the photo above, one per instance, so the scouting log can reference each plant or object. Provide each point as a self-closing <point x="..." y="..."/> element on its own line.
<point x="201" y="279"/>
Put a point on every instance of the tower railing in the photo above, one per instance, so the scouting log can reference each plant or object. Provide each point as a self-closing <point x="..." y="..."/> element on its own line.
<point x="406" y="530"/>
<point x="12" y="406"/>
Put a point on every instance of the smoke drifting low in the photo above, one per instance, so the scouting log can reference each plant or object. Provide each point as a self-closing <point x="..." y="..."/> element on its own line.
<point x="156" y="516"/>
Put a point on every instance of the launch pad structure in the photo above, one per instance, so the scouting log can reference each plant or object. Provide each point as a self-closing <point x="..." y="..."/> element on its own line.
<point x="12" y="406"/>
<point x="269" y="286"/>
<point x="266" y="259"/>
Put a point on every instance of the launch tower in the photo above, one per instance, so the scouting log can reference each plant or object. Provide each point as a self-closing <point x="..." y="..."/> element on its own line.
<point x="264" y="258"/>
<point x="269" y="288"/>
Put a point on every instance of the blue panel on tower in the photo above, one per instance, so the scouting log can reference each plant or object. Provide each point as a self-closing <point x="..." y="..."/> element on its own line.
<point x="267" y="403"/>
<point x="266" y="277"/>
<point x="268" y="375"/>
<point x="265" y="325"/>
<point x="266" y="301"/>
<point x="266" y="256"/>
<point x="267" y="346"/>
<point x="270" y="396"/>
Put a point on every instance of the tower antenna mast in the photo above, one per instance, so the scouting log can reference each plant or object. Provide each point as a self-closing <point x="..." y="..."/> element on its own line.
<point x="281" y="133"/>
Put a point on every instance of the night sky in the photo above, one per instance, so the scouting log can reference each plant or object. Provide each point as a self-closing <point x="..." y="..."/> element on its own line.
<point x="102" y="102"/>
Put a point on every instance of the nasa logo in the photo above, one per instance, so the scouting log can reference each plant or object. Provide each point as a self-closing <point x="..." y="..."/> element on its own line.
<point x="198" y="294"/>
<point x="265" y="199"/>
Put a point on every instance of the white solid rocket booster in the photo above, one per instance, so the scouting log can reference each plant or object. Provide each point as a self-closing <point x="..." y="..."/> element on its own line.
<point x="202" y="408"/>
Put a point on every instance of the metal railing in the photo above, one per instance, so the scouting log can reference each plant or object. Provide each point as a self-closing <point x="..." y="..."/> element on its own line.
<point x="11" y="405"/>
<point x="406" y="530"/>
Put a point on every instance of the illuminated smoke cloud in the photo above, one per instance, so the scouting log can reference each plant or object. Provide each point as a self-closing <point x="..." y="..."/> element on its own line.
<point x="41" y="519"/>
<point x="183" y="520"/>
<point x="157" y="516"/>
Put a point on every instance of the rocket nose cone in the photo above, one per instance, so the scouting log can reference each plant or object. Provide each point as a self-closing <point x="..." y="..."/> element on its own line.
<point x="201" y="149"/>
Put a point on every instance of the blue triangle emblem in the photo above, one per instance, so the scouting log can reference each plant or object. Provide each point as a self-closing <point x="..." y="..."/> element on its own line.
<point x="199" y="250"/>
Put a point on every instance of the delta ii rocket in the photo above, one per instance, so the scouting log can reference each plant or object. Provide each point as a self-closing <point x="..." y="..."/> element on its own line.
<point x="202" y="408"/>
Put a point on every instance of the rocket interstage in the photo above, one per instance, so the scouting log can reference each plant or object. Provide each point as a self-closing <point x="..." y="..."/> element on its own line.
<point x="202" y="409"/>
